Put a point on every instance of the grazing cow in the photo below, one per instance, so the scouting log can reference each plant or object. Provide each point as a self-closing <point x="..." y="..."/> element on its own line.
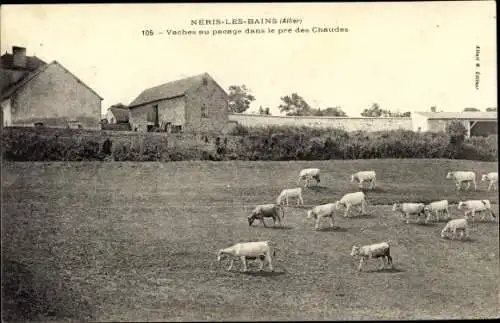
<point x="453" y="226"/>
<point x="260" y="212"/>
<point x="461" y="177"/>
<point x="307" y="174"/>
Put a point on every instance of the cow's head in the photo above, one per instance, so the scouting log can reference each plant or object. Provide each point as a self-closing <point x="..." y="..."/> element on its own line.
<point x="449" y="175"/>
<point x="250" y="219"/>
<point x="355" y="251"/>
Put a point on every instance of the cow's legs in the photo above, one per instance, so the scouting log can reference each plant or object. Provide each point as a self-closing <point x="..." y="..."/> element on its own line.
<point x="244" y="262"/>
<point x="331" y="222"/>
<point x="346" y="210"/>
<point x="360" y="264"/>
<point x="231" y="265"/>
<point x="269" y="261"/>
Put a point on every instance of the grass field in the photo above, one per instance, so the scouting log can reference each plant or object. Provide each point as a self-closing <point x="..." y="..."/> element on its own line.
<point x="138" y="241"/>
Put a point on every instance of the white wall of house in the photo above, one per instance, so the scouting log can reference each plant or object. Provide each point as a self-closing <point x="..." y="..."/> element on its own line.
<point x="110" y="117"/>
<point x="7" y="114"/>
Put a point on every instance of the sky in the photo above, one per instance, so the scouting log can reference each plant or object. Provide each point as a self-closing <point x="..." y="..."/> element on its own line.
<point x="405" y="56"/>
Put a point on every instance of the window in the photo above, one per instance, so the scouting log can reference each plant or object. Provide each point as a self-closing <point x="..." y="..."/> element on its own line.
<point x="204" y="113"/>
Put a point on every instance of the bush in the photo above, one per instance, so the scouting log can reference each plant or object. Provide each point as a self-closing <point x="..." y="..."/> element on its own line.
<point x="264" y="143"/>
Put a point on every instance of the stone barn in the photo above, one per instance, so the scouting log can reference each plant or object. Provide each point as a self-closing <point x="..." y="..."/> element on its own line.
<point x="117" y="115"/>
<point x="195" y="104"/>
<point x="34" y="93"/>
<point x="476" y="123"/>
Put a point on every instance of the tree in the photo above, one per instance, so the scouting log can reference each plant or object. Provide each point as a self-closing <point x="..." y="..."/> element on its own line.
<point x="119" y="105"/>
<point x="239" y="98"/>
<point x="294" y="105"/>
<point x="330" y="112"/>
<point x="374" y="111"/>
<point x="264" y="111"/>
<point x="471" y="109"/>
<point x="491" y="109"/>
<point x="433" y="108"/>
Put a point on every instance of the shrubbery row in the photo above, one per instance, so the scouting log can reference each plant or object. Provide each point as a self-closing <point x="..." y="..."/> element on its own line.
<point x="262" y="143"/>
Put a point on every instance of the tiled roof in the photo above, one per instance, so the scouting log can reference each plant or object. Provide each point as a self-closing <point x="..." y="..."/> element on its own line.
<point x="168" y="90"/>
<point x="121" y="114"/>
<point x="28" y="77"/>
<point x="459" y="115"/>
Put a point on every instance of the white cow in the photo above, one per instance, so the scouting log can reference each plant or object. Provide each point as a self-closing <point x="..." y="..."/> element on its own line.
<point x="352" y="199"/>
<point x="461" y="177"/>
<point x="473" y="206"/>
<point x="365" y="176"/>
<point x="258" y="250"/>
<point x="377" y="250"/>
<point x="408" y="209"/>
<point x="453" y="226"/>
<point x="307" y="174"/>
<point x="322" y="211"/>
<point x="288" y="193"/>
<point x="437" y="207"/>
<point x="492" y="178"/>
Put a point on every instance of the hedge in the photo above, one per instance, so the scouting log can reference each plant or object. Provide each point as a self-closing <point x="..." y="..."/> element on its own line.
<point x="262" y="143"/>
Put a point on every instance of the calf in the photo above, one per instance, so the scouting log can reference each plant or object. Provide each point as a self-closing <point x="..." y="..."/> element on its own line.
<point x="377" y="250"/>
<point x="322" y="211"/>
<point x="408" y="209"/>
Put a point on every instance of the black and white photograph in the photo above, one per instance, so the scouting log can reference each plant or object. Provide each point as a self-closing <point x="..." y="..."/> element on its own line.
<point x="279" y="161"/>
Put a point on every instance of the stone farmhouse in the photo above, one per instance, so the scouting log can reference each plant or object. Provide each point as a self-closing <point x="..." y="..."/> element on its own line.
<point x="34" y="93"/>
<point x="195" y="104"/>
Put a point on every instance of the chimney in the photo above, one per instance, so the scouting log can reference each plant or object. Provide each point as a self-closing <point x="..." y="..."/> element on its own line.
<point x="19" y="56"/>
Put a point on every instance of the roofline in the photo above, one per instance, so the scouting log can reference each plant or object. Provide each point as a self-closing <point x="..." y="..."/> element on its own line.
<point x="183" y="94"/>
<point x="78" y="79"/>
<point x="37" y="72"/>
<point x="313" y="117"/>
<point x="463" y="118"/>
<point x="158" y="100"/>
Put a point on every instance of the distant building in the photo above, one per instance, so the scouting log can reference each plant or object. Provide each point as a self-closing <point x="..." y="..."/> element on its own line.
<point x="117" y="114"/>
<point x="36" y="93"/>
<point x="476" y="123"/>
<point x="193" y="104"/>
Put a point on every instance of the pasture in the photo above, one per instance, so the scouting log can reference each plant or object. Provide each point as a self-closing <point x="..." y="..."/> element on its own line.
<point x="138" y="242"/>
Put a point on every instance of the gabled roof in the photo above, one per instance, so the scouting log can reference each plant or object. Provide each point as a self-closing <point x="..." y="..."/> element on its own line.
<point x="13" y="89"/>
<point x="121" y="114"/>
<point x="32" y="62"/>
<point x="170" y="90"/>
<point x="479" y="115"/>
<point x="11" y="75"/>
